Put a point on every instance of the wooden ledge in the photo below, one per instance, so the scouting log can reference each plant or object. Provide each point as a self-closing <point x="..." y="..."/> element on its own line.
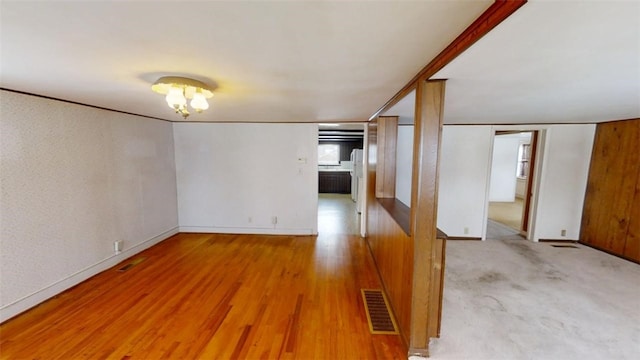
<point x="399" y="212"/>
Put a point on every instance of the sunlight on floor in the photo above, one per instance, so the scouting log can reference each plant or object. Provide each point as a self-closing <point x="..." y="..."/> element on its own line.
<point x="507" y="213"/>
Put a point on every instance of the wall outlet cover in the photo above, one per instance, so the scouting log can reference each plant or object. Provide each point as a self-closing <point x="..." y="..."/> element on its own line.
<point x="118" y="245"/>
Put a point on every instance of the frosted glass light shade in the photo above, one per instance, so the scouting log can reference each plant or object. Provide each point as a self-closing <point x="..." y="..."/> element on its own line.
<point x="180" y="89"/>
<point x="199" y="102"/>
<point x="175" y="98"/>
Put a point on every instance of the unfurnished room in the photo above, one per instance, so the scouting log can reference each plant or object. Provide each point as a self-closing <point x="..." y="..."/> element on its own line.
<point x="320" y="179"/>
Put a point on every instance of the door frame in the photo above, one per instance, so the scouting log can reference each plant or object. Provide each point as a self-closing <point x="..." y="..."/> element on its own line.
<point x="528" y="193"/>
<point x="535" y="170"/>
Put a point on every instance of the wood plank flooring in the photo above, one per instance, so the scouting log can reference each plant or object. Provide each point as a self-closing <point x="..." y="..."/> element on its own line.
<point x="213" y="296"/>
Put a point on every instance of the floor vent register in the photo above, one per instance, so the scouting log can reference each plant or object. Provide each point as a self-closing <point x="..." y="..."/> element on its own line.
<point x="131" y="264"/>
<point x="380" y="318"/>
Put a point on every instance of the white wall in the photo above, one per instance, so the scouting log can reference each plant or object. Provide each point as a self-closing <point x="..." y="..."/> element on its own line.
<point x="404" y="162"/>
<point x="502" y="187"/>
<point x="233" y="178"/>
<point x="464" y="167"/>
<point x="565" y="171"/>
<point x="365" y="181"/>
<point x="463" y="182"/>
<point x="74" y="179"/>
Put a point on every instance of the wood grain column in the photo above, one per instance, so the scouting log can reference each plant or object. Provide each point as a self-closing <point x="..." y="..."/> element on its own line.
<point x="424" y="200"/>
<point x="386" y="152"/>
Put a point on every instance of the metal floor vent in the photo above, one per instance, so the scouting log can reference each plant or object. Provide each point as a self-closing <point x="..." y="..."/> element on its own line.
<point x="380" y="319"/>
<point x="131" y="264"/>
<point x="565" y="246"/>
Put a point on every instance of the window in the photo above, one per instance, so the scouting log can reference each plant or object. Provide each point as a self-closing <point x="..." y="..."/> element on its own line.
<point x="328" y="154"/>
<point x="524" y="154"/>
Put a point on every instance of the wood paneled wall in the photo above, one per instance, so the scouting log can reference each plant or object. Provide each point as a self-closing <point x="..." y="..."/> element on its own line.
<point x="611" y="214"/>
<point x="410" y="264"/>
<point x="391" y="247"/>
<point x="386" y="144"/>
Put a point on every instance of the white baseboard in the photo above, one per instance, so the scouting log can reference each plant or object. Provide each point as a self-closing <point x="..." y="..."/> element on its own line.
<point x="234" y="230"/>
<point x="556" y="240"/>
<point x="10" y="310"/>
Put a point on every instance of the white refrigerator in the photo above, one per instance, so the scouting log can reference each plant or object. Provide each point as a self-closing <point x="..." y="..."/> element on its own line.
<point x="357" y="178"/>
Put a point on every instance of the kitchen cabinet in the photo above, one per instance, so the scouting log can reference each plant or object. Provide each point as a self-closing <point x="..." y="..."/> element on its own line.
<point x="334" y="182"/>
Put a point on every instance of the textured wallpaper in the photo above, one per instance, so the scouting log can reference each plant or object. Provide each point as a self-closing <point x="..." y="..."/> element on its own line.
<point x="74" y="179"/>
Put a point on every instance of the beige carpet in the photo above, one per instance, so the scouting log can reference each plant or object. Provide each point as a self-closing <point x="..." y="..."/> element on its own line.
<point x="507" y="213"/>
<point x="520" y="300"/>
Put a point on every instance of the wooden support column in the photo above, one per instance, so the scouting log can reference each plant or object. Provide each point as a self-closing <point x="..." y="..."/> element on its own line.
<point x="386" y="154"/>
<point x="411" y="262"/>
<point x="424" y="200"/>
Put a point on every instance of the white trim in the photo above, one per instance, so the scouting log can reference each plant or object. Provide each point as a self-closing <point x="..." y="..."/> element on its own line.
<point x="485" y="213"/>
<point x="365" y="180"/>
<point x="537" y="174"/>
<point x="10" y="310"/>
<point x="240" y="230"/>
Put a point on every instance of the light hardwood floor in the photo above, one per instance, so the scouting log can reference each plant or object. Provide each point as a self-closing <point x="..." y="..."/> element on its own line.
<point x="208" y="296"/>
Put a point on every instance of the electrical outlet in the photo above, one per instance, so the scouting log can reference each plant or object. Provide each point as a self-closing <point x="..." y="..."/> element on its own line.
<point x="563" y="232"/>
<point x="466" y="230"/>
<point x="274" y="220"/>
<point x="117" y="246"/>
<point x="250" y="219"/>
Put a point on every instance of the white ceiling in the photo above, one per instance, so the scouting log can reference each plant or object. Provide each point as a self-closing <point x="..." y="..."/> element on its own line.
<point x="550" y="62"/>
<point x="295" y="61"/>
<point x="404" y="109"/>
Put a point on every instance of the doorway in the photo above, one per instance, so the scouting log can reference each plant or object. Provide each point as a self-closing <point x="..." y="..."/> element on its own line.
<point x="340" y="172"/>
<point x="511" y="184"/>
<point x="337" y="215"/>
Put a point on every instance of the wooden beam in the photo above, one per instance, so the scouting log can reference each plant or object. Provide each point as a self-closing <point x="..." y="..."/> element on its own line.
<point x="386" y="167"/>
<point x="494" y="15"/>
<point x="424" y="201"/>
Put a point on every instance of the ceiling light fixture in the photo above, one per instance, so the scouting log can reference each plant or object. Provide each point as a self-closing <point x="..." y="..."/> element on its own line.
<point x="179" y="89"/>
